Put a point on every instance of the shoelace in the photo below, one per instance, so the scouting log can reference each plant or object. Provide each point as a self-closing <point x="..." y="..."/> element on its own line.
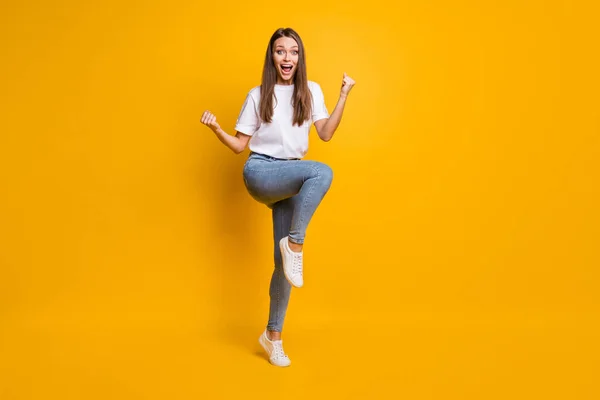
<point x="278" y="350"/>
<point x="297" y="264"/>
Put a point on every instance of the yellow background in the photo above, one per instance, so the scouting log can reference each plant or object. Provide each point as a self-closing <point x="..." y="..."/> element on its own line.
<point x="454" y="257"/>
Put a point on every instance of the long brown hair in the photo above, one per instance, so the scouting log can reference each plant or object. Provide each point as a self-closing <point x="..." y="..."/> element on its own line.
<point x="301" y="99"/>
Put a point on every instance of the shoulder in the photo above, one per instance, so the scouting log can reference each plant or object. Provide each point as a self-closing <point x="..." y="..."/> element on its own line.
<point x="315" y="90"/>
<point x="314" y="87"/>
<point x="255" y="91"/>
<point x="254" y="94"/>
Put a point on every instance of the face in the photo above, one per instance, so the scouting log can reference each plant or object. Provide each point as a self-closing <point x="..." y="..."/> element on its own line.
<point x="285" y="58"/>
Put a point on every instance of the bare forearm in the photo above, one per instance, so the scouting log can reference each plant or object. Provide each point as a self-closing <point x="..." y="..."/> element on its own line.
<point x="334" y="119"/>
<point x="230" y="141"/>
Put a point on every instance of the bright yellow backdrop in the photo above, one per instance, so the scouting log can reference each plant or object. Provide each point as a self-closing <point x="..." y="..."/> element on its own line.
<point x="454" y="257"/>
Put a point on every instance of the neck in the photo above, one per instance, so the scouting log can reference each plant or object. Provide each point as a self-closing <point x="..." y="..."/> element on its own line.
<point x="282" y="82"/>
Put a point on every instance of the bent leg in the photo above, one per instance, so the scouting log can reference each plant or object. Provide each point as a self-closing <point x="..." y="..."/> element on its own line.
<point x="270" y="182"/>
<point x="308" y="199"/>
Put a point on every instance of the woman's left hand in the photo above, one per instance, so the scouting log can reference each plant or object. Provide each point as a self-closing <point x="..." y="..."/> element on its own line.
<point x="347" y="84"/>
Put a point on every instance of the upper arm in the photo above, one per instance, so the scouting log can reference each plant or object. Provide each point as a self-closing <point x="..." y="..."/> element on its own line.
<point x="320" y="115"/>
<point x="243" y="138"/>
<point x="319" y="125"/>
<point x="248" y="120"/>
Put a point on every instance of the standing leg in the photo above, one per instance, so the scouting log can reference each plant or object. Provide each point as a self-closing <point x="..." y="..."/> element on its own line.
<point x="280" y="288"/>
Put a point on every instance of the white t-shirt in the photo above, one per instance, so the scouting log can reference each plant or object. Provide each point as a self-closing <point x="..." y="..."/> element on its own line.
<point x="279" y="138"/>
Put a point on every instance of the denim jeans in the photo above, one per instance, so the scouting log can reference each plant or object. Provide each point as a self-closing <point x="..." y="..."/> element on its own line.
<point x="292" y="189"/>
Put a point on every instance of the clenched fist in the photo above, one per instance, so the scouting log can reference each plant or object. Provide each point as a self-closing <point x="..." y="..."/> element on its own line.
<point x="210" y="120"/>
<point x="347" y="84"/>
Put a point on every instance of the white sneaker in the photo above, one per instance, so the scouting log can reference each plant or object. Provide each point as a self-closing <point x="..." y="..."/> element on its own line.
<point x="274" y="349"/>
<point x="292" y="263"/>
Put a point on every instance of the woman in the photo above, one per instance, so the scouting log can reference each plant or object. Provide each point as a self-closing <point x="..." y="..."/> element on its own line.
<point x="275" y="120"/>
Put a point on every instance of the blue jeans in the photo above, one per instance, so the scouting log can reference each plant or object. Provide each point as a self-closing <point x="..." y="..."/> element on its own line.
<point x="292" y="189"/>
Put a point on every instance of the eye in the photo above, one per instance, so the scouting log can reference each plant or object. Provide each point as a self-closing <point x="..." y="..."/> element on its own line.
<point x="295" y="52"/>
<point x="279" y="52"/>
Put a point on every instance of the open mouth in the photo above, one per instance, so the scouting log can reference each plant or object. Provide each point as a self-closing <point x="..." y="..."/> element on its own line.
<point x="287" y="69"/>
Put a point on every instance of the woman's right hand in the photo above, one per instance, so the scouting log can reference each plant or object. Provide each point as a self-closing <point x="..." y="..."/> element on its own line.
<point x="210" y="120"/>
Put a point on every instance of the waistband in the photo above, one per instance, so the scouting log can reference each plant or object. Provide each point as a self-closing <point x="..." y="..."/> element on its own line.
<point x="252" y="153"/>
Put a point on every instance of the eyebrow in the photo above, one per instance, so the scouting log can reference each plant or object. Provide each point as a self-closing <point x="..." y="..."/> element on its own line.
<point x="278" y="46"/>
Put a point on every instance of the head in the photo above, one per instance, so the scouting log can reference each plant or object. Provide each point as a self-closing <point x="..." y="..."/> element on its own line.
<point x="285" y="64"/>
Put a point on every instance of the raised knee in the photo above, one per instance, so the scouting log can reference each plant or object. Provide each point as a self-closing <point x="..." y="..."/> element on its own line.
<point x="326" y="174"/>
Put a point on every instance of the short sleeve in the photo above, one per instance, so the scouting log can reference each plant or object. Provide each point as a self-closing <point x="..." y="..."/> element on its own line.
<point x="248" y="121"/>
<point x="319" y="110"/>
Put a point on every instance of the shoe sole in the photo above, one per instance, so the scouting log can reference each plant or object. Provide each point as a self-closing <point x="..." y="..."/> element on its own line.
<point x="281" y="249"/>
<point x="261" y="340"/>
